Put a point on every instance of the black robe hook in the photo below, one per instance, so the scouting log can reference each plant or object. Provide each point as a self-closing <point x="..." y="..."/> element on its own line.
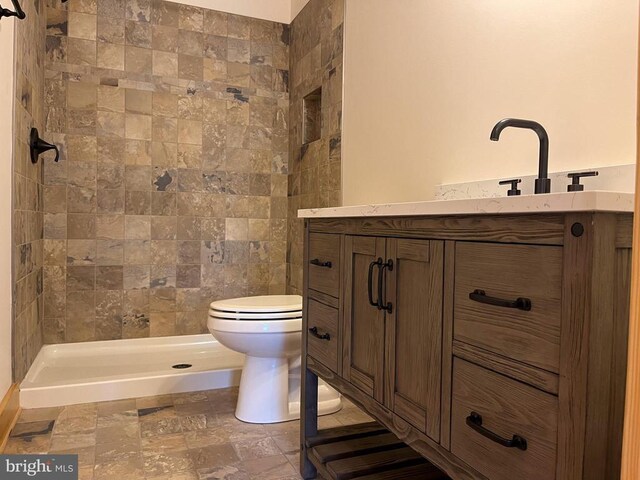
<point x="38" y="146"/>
<point x="5" y="12"/>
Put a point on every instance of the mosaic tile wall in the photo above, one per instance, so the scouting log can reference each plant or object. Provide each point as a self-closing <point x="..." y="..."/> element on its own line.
<point x="315" y="168"/>
<point x="171" y="191"/>
<point x="27" y="195"/>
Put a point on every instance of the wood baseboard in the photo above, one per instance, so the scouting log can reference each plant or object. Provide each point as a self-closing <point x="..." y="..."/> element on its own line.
<point x="9" y="413"/>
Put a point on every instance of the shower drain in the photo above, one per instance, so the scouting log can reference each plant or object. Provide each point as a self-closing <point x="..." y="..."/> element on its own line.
<point x="181" y="366"/>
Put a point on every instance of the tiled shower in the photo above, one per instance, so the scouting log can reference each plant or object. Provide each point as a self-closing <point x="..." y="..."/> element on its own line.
<point x="172" y="189"/>
<point x="182" y="164"/>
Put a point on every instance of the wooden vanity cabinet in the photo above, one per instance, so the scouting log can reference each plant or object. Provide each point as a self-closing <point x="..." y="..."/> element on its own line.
<point x="363" y="323"/>
<point x="393" y="325"/>
<point x="323" y="337"/>
<point x="414" y="290"/>
<point x="465" y="335"/>
<point x="488" y="400"/>
<point x="324" y="263"/>
<point x="500" y="271"/>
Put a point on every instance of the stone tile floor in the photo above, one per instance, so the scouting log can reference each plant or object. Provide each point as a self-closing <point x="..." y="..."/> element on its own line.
<point x="169" y="437"/>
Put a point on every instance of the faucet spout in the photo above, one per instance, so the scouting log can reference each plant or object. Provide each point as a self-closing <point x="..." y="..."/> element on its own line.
<point x="543" y="183"/>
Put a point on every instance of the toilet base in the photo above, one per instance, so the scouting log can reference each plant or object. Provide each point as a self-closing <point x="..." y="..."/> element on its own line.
<point x="270" y="391"/>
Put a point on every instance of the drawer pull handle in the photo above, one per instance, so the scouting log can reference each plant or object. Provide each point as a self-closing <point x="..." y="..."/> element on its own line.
<point x="381" y="305"/>
<point x="474" y="420"/>
<point x="520" y="303"/>
<point x="324" y="336"/>
<point x="318" y="263"/>
<point x="372" y="265"/>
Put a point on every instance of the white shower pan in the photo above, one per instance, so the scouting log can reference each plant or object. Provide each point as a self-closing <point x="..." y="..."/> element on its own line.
<point x="66" y="374"/>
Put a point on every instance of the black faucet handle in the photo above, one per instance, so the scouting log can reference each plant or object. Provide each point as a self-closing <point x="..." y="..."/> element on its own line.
<point x="575" y="185"/>
<point x="513" y="191"/>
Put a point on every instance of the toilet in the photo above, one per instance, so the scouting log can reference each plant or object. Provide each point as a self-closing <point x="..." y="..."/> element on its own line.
<point x="268" y="330"/>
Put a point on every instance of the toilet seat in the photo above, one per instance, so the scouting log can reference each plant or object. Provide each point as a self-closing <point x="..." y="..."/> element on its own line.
<point x="254" y="316"/>
<point x="259" y="304"/>
<point x="260" y="314"/>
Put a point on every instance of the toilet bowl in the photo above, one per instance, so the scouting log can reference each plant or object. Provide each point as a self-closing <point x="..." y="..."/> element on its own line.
<point x="268" y="330"/>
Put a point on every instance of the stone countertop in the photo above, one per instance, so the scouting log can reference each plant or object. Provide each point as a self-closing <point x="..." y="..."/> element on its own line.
<point x="589" y="201"/>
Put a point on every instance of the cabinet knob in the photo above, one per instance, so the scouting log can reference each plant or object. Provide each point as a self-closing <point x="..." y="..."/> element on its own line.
<point x="319" y="263"/>
<point x="520" y="303"/>
<point x="372" y="265"/>
<point x="388" y="306"/>
<point x="324" y="336"/>
<point x="474" y="420"/>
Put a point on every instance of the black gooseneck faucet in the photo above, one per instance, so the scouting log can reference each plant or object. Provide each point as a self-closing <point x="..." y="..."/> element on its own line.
<point x="543" y="182"/>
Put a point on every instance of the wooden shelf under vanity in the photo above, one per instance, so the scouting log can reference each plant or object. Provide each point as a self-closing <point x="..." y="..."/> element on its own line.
<point x="367" y="452"/>
<point x="492" y="345"/>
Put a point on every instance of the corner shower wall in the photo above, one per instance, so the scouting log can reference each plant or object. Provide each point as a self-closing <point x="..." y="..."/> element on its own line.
<point x="27" y="188"/>
<point x="315" y="167"/>
<point x="171" y="189"/>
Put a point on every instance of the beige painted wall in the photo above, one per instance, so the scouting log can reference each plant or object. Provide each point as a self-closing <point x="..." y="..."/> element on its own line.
<point x="6" y="133"/>
<point x="426" y="81"/>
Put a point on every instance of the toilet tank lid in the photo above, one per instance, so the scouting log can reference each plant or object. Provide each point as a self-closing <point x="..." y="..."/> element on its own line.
<point x="262" y="303"/>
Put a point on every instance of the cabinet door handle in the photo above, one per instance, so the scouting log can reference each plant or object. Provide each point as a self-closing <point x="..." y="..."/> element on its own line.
<point x="388" y="307"/>
<point x="474" y="420"/>
<point x="324" y="336"/>
<point x="319" y="263"/>
<point x="372" y="265"/>
<point x="520" y="303"/>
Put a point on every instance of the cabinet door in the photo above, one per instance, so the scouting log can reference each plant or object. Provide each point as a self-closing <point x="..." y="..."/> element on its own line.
<point x="363" y="344"/>
<point x="414" y="332"/>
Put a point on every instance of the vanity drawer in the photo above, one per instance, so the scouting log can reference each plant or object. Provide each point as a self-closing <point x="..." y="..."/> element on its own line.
<point x="324" y="263"/>
<point x="322" y="336"/>
<point x="485" y="403"/>
<point x="489" y="280"/>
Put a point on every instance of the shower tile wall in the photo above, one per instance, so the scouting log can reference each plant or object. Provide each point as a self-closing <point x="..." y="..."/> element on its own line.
<point x="27" y="195"/>
<point x="171" y="190"/>
<point x="315" y="168"/>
